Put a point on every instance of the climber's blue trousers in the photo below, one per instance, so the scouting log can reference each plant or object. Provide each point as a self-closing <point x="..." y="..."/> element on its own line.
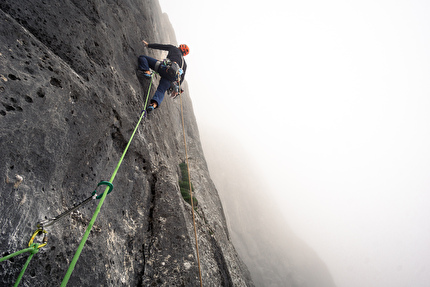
<point x="145" y="63"/>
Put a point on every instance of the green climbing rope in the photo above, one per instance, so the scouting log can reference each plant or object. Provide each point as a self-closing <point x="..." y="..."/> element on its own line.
<point x="33" y="249"/>
<point x="16" y="253"/>
<point x="99" y="206"/>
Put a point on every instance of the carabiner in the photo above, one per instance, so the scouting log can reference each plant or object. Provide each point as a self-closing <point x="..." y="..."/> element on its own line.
<point x="102" y="183"/>
<point x="45" y="238"/>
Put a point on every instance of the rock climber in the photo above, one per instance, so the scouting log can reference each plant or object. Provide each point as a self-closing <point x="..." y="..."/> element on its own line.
<point x="172" y="70"/>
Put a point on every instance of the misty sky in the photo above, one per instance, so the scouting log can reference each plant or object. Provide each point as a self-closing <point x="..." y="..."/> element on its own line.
<point x="331" y="99"/>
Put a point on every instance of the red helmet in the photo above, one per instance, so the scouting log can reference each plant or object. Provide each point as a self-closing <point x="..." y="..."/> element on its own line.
<point x="184" y="48"/>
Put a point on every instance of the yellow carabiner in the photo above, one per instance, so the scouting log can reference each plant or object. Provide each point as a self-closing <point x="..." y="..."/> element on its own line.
<point x="45" y="238"/>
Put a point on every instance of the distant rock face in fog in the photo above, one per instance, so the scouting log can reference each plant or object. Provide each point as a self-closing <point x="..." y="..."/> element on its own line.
<point x="70" y="99"/>
<point x="267" y="245"/>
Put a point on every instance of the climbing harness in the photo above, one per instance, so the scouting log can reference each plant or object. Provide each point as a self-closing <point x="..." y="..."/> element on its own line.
<point x="174" y="90"/>
<point x="191" y="194"/>
<point x="170" y="70"/>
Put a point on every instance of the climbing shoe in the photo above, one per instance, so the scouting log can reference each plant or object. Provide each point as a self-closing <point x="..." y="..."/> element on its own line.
<point x="150" y="109"/>
<point x="146" y="74"/>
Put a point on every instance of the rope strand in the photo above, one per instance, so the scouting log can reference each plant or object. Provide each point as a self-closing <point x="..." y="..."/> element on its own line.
<point x="191" y="194"/>
<point x="33" y="249"/>
<point x="99" y="206"/>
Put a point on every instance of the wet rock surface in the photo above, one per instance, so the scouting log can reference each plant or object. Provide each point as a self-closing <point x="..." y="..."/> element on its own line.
<point x="69" y="101"/>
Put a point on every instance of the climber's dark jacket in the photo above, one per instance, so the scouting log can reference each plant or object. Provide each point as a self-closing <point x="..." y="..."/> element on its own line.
<point x="175" y="55"/>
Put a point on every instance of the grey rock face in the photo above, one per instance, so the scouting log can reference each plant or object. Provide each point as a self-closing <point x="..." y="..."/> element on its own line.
<point x="69" y="101"/>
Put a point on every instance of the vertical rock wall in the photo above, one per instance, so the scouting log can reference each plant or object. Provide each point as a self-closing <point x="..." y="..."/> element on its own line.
<point x="69" y="101"/>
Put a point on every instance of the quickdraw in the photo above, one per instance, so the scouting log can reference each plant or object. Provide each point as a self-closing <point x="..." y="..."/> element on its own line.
<point x="50" y="221"/>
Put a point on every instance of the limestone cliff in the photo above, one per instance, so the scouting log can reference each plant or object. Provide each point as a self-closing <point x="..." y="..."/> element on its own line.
<point x="70" y="99"/>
